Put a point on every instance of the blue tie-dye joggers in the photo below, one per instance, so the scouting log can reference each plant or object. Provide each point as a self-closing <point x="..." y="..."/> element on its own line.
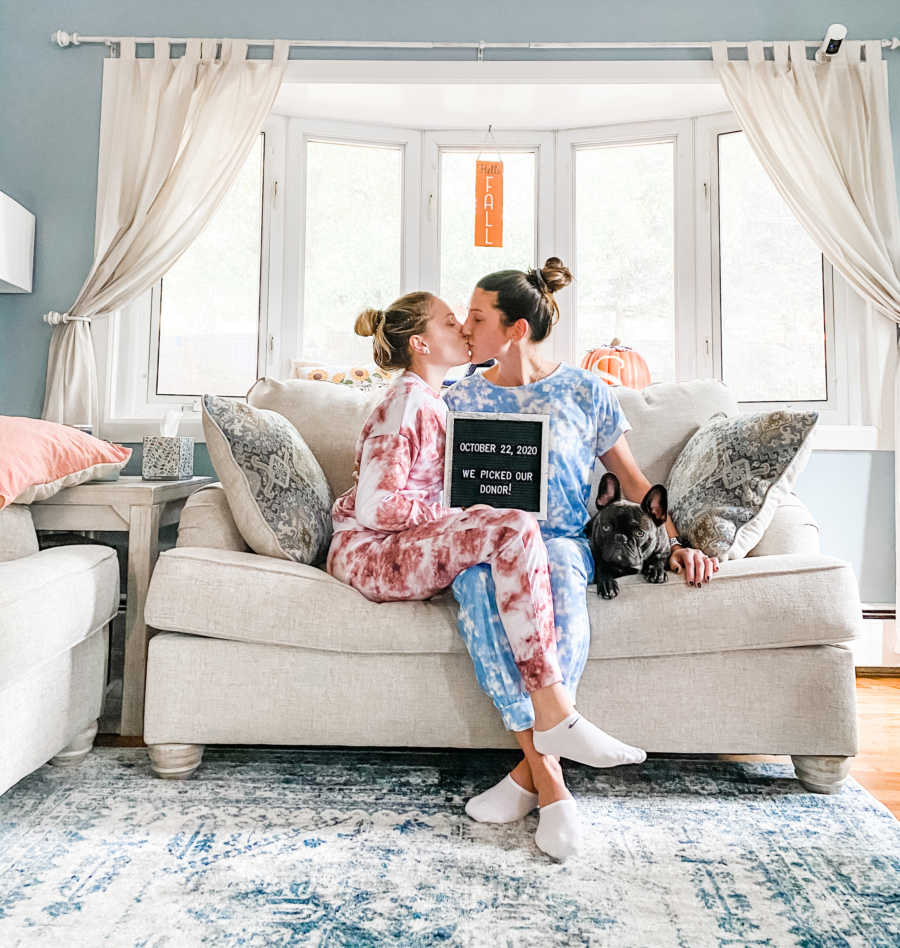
<point x="571" y="568"/>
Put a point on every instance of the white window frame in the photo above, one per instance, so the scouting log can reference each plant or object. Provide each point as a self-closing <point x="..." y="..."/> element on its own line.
<point x="832" y="410"/>
<point x="299" y="132"/>
<point x="541" y="144"/>
<point x="688" y="362"/>
<point x="113" y="334"/>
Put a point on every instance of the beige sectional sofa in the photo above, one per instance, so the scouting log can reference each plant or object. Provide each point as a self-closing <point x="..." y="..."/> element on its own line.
<point x="256" y="650"/>
<point x="55" y="610"/>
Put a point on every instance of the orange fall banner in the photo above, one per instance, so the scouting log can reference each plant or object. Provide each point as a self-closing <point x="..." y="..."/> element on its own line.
<point x="488" y="203"/>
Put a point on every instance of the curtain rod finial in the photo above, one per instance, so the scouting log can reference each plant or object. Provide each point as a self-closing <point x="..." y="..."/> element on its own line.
<point x="63" y="39"/>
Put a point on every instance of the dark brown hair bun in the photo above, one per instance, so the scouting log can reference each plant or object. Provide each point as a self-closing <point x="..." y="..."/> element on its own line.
<point x="556" y="274"/>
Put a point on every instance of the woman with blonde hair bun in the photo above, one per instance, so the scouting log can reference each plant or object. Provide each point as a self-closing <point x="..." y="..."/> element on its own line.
<point x="394" y="539"/>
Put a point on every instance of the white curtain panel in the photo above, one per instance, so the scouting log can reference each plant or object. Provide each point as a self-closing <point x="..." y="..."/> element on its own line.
<point x="174" y="133"/>
<point x="73" y="397"/>
<point x="822" y="132"/>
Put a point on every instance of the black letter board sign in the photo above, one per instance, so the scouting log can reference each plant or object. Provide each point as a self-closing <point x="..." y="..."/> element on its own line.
<point x="497" y="458"/>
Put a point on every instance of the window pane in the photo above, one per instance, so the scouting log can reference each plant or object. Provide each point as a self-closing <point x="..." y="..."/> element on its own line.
<point x="209" y="314"/>
<point x="773" y="318"/>
<point x="625" y="251"/>
<point x="354" y="204"/>
<point x="462" y="263"/>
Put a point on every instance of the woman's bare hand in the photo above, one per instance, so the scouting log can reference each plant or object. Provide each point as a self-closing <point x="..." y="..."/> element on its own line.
<point x="698" y="568"/>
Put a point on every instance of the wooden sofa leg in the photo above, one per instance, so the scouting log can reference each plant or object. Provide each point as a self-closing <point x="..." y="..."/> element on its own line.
<point x="77" y="749"/>
<point x="821" y="774"/>
<point x="175" y="761"/>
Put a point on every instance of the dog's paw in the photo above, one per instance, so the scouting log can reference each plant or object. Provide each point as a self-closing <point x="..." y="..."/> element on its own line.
<point x="607" y="587"/>
<point x="656" y="573"/>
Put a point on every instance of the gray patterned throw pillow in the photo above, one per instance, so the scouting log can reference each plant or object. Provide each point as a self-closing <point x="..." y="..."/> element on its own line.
<point x="730" y="477"/>
<point x="277" y="492"/>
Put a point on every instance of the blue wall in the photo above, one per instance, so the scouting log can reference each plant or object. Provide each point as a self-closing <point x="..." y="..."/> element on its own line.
<point x="48" y="155"/>
<point x="851" y="495"/>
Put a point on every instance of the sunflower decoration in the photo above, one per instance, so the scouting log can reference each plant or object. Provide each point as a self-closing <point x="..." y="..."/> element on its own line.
<point x="319" y="375"/>
<point x="359" y="375"/>
<point x="338" y="377"/>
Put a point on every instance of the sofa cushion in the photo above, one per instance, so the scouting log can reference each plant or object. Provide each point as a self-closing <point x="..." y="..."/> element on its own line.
<point x="760" y="602"/>
<point x="328" y="417"/>
<point x="17" y="536"/>
<point x="51" y="601"/>
<point x="664" y="417"/>
<point x="728" y="481"/>
<point x="241" y="596"/>
<point x="275" y="487"/>
<point x="752" y="603"/>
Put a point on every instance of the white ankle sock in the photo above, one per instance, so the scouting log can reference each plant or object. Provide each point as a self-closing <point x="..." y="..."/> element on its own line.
<point x="577" y="739"/>
<point x="505" y="802"/>
<point x="559" y="830"/>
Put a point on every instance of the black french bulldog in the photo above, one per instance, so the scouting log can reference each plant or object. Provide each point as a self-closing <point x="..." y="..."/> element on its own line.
<point x="628" y="538"/>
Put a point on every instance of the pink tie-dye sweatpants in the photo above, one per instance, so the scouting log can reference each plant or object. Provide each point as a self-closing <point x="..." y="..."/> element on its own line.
<point x="395" y="540"/>
<point x="420" y="562"/>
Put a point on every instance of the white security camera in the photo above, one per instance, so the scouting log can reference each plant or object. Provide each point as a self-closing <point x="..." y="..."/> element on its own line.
<point x="834" y="36"/>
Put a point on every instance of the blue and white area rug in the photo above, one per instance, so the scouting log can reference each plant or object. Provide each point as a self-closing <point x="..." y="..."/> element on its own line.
<point x="327" y="848"/>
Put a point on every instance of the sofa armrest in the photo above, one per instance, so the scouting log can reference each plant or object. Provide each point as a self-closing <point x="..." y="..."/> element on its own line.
<point x="793" y="530"/>
<point x="206" y="521"/>
<point x="17" y="536"/>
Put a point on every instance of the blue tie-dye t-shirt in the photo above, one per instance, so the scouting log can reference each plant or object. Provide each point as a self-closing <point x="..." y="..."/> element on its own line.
<point x="585" y="422"/>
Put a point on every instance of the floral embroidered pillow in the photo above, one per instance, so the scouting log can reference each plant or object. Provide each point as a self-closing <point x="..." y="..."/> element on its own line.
<point x="358" y="376"/>
<point x="732" y="474"/>
<point x="278" y="495"/>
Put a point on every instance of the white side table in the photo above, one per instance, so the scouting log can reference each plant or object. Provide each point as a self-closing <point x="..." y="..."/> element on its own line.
<point x="139" y="507"/>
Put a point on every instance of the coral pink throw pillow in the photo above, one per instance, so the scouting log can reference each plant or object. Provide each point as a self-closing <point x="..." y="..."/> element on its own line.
<point x="39" y="458"/>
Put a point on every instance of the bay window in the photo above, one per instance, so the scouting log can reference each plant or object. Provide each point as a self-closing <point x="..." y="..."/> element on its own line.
<point x="680" y="246"/>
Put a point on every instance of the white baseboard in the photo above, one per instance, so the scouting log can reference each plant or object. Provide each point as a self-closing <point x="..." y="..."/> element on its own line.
<point x="878" y="645"/>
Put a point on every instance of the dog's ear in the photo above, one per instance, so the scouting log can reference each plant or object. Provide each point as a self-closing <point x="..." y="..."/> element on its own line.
<point x="656" y="504"/>
<point x="608" y="492"/>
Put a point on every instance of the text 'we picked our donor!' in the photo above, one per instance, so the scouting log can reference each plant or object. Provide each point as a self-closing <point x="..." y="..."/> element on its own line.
<point x="495" y="481"/>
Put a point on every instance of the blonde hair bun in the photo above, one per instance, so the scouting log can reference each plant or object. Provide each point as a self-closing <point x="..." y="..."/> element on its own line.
<point x="367" y="322"/>
<point x="392" y="328"/>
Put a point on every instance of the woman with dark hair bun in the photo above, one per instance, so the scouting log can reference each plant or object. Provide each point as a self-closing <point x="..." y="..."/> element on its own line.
<point x="527" y="295"/>
<point x="510" y="313"/>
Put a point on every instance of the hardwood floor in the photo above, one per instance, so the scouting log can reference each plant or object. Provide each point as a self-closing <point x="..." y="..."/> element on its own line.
<point x="876" y="767"/>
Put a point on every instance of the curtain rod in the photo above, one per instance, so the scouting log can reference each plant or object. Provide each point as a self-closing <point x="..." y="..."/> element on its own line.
<point x="64" y="39"/>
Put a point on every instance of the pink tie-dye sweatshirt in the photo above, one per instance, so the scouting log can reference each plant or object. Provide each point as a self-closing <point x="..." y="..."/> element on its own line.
<point x="399" y="469"/>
